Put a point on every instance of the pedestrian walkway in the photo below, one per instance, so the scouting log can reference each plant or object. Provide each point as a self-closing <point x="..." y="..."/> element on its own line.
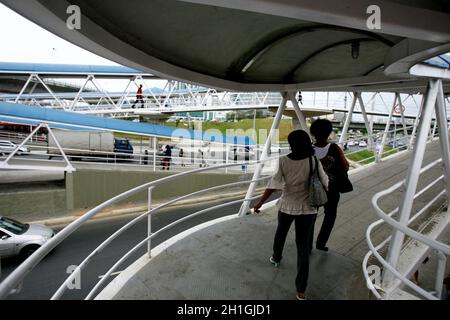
<point x="229" y="260"/>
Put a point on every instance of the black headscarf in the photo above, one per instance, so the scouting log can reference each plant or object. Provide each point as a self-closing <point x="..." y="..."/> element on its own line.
<point x="301" y="145"/>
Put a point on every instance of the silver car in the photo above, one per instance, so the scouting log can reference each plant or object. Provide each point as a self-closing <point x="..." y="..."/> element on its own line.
<point x="21" y="239"/>
<point x="7" y="147"/>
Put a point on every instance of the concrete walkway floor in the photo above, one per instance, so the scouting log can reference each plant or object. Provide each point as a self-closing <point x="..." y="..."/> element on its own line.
<point x="229" y="260"/>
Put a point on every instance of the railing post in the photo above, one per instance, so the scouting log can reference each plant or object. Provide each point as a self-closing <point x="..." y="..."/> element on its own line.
<point x="411" y="181"/>
<point x="149" y="223"/>
<point x="155" y="146"/>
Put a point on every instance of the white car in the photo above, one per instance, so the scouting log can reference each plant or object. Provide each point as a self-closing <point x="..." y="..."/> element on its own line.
<point x="21" y="239"/>
<point x="7" y="147"/>
<point x="363" y="144"/>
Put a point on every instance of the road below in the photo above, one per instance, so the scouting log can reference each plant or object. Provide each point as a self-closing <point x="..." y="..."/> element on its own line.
<point x="45" y="279"/>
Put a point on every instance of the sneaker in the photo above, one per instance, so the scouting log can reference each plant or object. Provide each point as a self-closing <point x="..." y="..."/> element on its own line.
<point x="275" y="263"/>
<point x="300" y="298"/>
<point x="322" y="248"/>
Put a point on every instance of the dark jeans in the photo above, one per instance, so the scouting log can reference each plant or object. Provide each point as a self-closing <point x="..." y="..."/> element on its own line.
<point x="328" y="220"/>
<point x="138" y="99"/>
<point x="303" y="229"/>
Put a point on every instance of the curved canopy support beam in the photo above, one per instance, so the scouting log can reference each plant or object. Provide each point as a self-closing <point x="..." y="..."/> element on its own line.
<point x="409" y="52"/>
<point x="248" y="60"/>
<point x="291" y="74"/>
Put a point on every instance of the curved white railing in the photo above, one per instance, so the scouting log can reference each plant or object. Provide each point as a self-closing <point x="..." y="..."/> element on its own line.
<point x="387" y="218"/>
<point x="18" y="275"/>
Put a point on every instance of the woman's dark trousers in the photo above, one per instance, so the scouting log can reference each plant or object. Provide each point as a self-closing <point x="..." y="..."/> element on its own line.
<point x="328" y="220"/>
<point x="303" y="229"/>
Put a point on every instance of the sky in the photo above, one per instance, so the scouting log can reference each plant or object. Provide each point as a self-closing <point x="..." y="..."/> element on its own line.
<point x="24" y="41"/>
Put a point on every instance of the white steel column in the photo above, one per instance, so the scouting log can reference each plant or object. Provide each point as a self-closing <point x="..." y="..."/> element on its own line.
<point x="298" y="112"/>
<point x="75" y="101"/>
<point x="265" y="155"/>
<point x="23" y="88"/>
<point x="348" y="120"/>
<point x="402" y="114"/>
<point x="126" y="92"/>
<point x="441" y="118"/>
<point x="411" y="181"/>
<point x="49" y="90"/>
<point x="99" y="88"/>
<point x="416" y="121"/>
<point x="366" y="121"/>
<point x="386" y="131"/>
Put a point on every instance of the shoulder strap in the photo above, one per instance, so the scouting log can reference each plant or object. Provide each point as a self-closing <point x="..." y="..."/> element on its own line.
<point x="316" y="169"/>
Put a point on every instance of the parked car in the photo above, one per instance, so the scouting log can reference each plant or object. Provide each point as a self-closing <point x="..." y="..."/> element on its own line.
<point x="17" y="238"/>
<point x="363" y="144"/>
<point x="7" y="147"/>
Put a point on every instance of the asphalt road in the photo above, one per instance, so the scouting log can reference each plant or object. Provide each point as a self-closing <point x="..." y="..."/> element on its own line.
<point x="46" y="278"/>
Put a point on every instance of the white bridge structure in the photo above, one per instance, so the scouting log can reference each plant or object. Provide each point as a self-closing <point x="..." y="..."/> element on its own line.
<point x="288" y="46"/>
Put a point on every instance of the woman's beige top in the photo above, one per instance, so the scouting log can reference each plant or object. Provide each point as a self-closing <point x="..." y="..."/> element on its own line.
<point x="292" y="178"/>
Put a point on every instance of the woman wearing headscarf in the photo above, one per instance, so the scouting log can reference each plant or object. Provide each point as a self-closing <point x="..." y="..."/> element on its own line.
<point x="292" y="178"/>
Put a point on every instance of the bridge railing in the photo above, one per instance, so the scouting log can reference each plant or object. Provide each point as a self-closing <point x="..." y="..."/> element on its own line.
<point x="15" y="279"/>
<point x="443" y="249"/>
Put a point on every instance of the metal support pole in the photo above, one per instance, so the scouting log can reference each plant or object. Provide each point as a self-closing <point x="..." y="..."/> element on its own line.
<point x="402" y="113"/>
<point x="149" y="225"/>
<point x="49" y="91"/>
<point x="155" y="146"/>
<point x="12" y="154"/>
<point x="366" y="121"/>
<point x="23" y="88"/>
<point x="348" y="120"/>
<point x="75" y="101"/>
<point x="440" y="273"/>
<point x="416" y="121"/>
<point x="298" y="112"/>
<point x="99" y="88"/>
<point x="386" y="132"/>
<point x="126" y="92"/>
<point x="441" y="118"/>
<point x="265" y="155"/>
<point x="31" y="92"/>
<point x="411" y="181"/>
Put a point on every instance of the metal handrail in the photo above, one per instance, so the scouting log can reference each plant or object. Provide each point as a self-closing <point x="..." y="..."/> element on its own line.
<point x="105" y="243"/>
<point x="143" y="242"/>
<point x="18" y="275"/>
<point x="406" y="230"/>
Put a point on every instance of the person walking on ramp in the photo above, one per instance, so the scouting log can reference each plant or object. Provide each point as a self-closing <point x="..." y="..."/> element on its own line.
<point x="293" y="178"/>
<point x="336" y="166"/>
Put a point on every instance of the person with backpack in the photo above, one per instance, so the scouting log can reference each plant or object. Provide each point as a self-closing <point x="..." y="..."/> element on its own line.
<point x="336" y="166"/>
<point x="293" y="179"/>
